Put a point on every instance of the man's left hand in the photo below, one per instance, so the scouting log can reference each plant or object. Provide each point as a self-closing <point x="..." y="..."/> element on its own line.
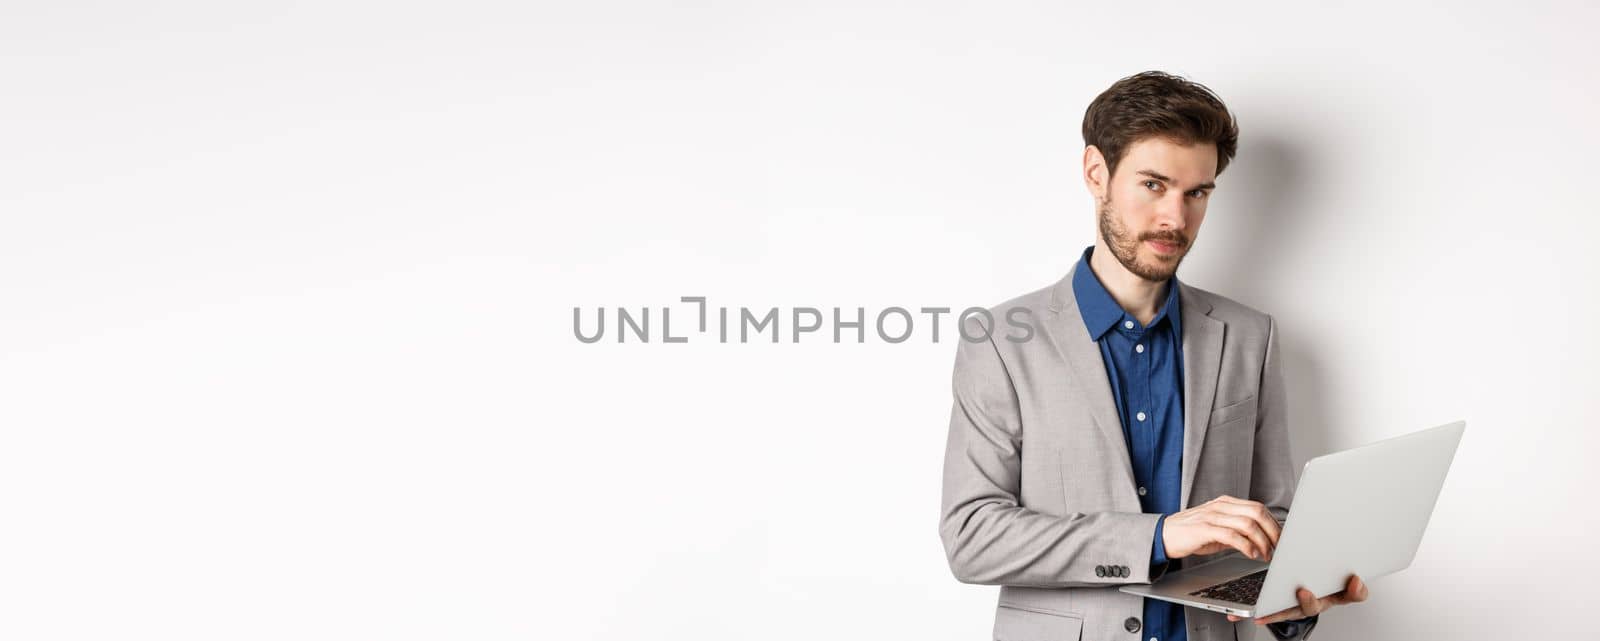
<point x="1354" y="592"/>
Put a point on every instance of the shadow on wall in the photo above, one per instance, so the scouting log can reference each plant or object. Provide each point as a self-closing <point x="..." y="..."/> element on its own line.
<point x="1269" y="234"/>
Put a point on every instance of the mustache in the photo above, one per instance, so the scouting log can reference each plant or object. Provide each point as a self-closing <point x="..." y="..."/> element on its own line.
<point x="1170" y="237"/>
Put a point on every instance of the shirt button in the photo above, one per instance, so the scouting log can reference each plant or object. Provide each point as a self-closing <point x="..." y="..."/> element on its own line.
<point x="1127" y="324"/>
<point x="1139" y="348"/>
<point x="1139" y="416"/>
<point x="1141" y="490"/>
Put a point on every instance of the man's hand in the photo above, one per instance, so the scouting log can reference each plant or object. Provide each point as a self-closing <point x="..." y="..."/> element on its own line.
<point x="1354" y="592"/>
<point x="1221" y="523"/>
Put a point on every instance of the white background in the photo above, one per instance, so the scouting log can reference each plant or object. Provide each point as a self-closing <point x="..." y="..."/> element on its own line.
<point x="288" y="293"/>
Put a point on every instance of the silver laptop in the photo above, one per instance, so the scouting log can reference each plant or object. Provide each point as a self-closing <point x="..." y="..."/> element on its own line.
<point x="1361" y="511"/>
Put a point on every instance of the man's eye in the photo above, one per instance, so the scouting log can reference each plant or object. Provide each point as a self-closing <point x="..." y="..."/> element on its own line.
<point x="1151" y="185"/>
<point x="1198" y="193"/>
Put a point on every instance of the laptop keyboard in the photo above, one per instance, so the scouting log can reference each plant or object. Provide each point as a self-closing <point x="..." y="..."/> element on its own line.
<point x="1244" y="589"/>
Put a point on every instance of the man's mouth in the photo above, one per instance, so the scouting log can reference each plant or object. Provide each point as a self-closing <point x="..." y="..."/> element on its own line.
<point x="1163" y="247"/>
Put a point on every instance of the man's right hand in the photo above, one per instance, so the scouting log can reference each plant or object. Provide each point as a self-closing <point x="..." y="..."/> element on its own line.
<point x="1221" y="523"/>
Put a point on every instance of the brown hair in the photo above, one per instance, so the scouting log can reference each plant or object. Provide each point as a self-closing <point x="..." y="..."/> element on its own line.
<point x="1154" y="103"/>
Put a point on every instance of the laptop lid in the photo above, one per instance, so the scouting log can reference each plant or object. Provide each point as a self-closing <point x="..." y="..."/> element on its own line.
<point x="1360" y="511"/>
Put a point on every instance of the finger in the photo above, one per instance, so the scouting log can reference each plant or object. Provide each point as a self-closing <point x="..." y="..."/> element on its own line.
<point x="1355" y="591"/>
<point x="1275" y="616"/>
<point x="1231" y="539"/>
<point x="1253" y="510"/>
<point x="1309" y="603"/>
<point x="1285" y="615"/>
<point x="1248" y="528"/>
<point x="1348" y="595"/>
<point x="1257" y="512"/>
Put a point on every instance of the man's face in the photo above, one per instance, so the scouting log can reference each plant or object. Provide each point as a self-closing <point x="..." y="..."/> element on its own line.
<point x="1150" y="211"/>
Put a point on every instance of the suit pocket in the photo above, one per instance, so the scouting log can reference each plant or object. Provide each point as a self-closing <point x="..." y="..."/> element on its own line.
<point x="1233" y="411"/>
<point x="1027" y="623"/>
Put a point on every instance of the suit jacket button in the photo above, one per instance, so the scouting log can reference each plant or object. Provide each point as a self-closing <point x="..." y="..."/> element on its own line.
<point x="1100" y="570"/>
<point x="1131" y="625"/>
<point x="1124" y="570"/>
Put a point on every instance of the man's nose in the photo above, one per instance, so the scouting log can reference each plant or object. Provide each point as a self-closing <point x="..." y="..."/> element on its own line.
<point x="1170" y="212"/>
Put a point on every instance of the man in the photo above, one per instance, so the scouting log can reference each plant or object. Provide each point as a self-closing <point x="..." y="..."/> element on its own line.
<point x="1143" y="425"/>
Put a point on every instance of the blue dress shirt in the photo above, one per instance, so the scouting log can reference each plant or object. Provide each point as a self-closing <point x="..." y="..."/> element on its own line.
<point x="1144" y="363"/>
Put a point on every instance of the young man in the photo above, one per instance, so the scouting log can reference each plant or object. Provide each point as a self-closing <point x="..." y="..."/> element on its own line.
<point x="1143" y="425"/>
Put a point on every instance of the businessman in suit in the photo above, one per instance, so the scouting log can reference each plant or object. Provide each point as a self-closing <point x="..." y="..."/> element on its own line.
<point x="1142" y="426"/>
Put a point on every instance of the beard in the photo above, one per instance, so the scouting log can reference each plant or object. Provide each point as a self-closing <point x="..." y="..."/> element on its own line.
<point x="1125" y="246"/>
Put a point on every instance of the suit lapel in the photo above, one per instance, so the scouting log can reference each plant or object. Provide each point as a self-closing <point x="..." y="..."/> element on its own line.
<point x="1202" y="360"/>
<point x="1088" y="367"/>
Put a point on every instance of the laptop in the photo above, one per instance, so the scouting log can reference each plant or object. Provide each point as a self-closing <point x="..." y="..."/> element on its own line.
<point x="1361" y="511"/>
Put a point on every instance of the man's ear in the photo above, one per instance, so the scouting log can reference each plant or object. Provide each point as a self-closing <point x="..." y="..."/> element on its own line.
<point x="1095" y="175"/>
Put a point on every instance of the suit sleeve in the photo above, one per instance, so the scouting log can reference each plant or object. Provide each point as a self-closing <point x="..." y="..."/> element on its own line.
<point x="1272" y="479"/>
<point x="989" y="537"/>
<point x="1293" y="629"/>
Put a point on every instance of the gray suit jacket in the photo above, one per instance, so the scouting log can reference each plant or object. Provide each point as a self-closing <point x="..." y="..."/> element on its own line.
<point x="1039" y="489"/>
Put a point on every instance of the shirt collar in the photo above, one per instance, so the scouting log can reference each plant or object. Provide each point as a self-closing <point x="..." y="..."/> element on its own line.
<point x="1101" y="312"/>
